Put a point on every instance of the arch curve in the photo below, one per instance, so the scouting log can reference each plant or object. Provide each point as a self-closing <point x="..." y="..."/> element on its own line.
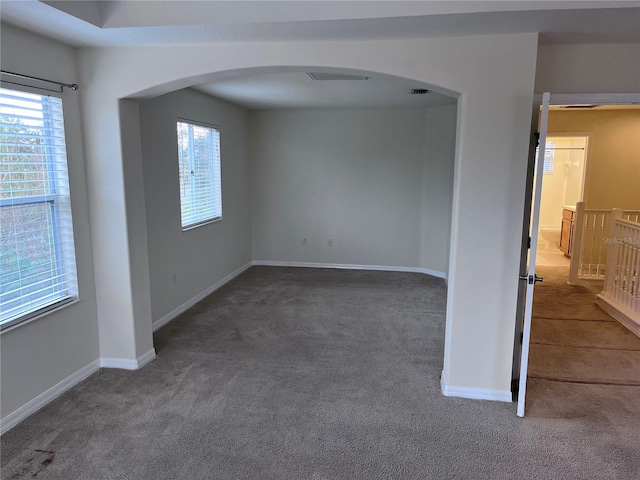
<point x="244" y="72"/>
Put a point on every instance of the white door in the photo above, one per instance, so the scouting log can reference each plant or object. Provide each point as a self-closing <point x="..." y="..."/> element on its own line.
<point x="530" y="276"/>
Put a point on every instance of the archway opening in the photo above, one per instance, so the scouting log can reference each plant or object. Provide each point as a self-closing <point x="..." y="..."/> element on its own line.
<point x="321" y="167"/>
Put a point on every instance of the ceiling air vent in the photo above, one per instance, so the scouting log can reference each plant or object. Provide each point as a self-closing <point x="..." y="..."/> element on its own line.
<point x="334" y="76"/>
<point x="419" y="91"/>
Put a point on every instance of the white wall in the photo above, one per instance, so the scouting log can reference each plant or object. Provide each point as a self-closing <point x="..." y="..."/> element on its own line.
<point x="44" y="352"/>
<point x="202" y="256"/>
<point x="118" y="224"/>
<point x="140" y="341"/>
<point x="351" y="176"/>
<point x="437" y="188"/>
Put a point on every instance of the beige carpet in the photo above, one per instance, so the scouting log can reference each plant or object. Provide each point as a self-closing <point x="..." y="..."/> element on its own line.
<point x="573" y="340"/>
<point x="549" y="253"/>
<point x="555" y="298"/>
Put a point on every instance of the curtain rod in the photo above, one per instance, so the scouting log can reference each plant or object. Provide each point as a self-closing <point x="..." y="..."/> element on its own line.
<point x="71" y="86"/>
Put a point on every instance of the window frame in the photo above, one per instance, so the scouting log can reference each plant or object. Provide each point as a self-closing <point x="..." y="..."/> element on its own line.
<point x="210" y="126"/>
<point x="61" y="217"/>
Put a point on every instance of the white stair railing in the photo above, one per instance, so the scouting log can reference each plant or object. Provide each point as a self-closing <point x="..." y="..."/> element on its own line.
<point x="590" y="248"/>
<point x="621" y="294"/>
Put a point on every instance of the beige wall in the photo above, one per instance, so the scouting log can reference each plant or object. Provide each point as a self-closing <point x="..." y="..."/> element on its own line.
<point x="613" y="157"/>
<point x="610" y="68"/>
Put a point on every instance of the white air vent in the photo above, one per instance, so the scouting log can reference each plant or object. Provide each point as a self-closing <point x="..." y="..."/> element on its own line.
<point x="334" y="76"/>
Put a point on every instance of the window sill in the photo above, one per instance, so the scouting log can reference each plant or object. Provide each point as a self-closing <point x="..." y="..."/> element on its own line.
<point x="196" y="225"/>
<point x="38" y="315"/>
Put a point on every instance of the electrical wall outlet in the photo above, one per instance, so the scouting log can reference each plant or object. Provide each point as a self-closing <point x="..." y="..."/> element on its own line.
<point x="330" y="242"/>
<point x="305" y="241"/>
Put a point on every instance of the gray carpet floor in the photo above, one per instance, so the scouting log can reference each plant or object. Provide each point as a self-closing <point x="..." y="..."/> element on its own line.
<point x="320" y="375"/>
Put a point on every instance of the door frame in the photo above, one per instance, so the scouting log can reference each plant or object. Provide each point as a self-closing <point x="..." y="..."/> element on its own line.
<point x="524" y="246"/>
<point x="555" y="99"/>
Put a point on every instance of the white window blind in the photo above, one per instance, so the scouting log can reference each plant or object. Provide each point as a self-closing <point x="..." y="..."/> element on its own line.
<point x="199" y="168"/>
<point x="37" y="256"/>
<point x="548" y="157"/>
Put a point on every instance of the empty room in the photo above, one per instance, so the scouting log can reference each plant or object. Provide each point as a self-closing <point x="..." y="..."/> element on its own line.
<point x="283" y="240"/>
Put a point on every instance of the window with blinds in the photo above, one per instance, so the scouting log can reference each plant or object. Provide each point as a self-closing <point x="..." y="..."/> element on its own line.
<point x="37" y="257"/>
<point x="199" y="170"/>
<point x="548" y="157"/>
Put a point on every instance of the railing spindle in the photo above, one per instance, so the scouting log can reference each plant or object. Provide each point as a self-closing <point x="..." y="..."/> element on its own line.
<point x="590" y="248"/>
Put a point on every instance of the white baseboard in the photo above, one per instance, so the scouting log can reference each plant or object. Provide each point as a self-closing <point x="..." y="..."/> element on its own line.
<point x="127" y="364"/>
<point x="161" y="322"/>
<point x="72" y="380"/>
<point x="146" y="357"/>
<point x="474" y="393"/>
<point x="47" y="396"/>
<point x="384" y="268"/>
<point x="626" y="318"/>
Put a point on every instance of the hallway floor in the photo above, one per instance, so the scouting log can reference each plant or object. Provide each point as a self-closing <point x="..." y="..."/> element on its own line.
<point x="582" y="361"/>
<point x="549" y="253"/>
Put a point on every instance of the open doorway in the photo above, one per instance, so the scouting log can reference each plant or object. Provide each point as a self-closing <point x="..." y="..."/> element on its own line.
<point x="582" y="355"/>
<point x="562" y="188"/>
<point x="307" y="180"/>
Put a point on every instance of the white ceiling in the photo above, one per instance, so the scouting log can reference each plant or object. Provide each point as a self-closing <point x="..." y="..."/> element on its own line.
<point x="140" y="23"/>
<point x="295" y="89"/>
<point x="117" y="14"/>
<point x="184" y="22"/>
